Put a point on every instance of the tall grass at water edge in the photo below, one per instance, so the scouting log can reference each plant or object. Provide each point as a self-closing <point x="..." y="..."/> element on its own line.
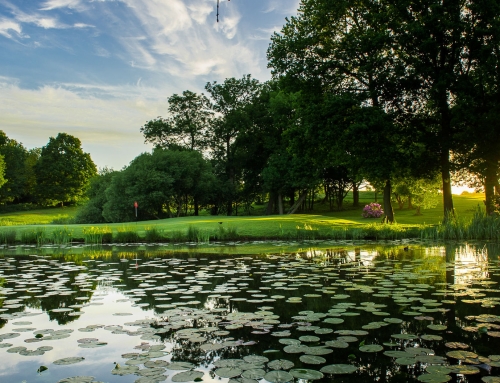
<point x="480" y="227"/>
<point x="126" y="234"/>
<point x="97" y="235"/>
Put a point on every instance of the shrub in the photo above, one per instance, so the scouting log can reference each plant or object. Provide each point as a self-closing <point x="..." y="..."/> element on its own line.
<point x="373" y="210"/>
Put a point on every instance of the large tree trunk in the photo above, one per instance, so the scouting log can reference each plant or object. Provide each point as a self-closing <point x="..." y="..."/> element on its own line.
<point x="446" y="178"/>
<point x="389" y="212"/>
<point x="299" y="202"/>
<point x="280" y="204"/>
<point x="489" y="185"/>
<point x="270" y="204"/>
<point x="196" y="206"/>
<point x="355" y="195"/>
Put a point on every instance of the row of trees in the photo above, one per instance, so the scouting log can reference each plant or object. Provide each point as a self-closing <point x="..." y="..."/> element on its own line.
<point x="376" y="90"/>
<point x="57" y="173"/>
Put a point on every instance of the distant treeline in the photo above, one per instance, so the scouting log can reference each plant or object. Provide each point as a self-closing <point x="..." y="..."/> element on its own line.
<point x="57" y="173"/>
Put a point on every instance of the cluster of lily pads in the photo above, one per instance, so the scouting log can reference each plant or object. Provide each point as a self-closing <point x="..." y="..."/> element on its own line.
<point x="276" y="318"/>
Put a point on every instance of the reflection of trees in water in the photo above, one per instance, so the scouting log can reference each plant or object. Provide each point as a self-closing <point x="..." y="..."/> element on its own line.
<point x="34" y="273"/>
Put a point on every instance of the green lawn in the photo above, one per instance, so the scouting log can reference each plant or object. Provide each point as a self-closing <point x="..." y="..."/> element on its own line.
<point x="246" y="226"/>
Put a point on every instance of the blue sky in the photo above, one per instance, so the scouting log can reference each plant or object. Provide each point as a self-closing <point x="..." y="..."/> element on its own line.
<point x="99" y="69"/>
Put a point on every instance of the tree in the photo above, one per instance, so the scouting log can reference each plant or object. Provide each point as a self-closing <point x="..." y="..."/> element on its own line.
<point x="92" y="211"/>
<point x="2" y="172"/>
<point x="405" y="56"/>
<point x="63" y="170"/>
<point x="186" y="126"/>
<point x="164" y="183"/>
<point x="16" y="187"/>
<point x="231" y="101"/>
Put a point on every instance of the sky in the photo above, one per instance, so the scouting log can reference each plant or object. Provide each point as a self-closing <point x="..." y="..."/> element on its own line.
<point x="100" y="69"/>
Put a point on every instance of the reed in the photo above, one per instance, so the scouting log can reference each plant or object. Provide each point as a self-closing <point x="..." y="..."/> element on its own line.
<point x="61" y="236"/>
<point x="153" y="234"/>
<point x="97" y="235"/>
<point x="8" y="237"/>
<point x="126" y="234"/>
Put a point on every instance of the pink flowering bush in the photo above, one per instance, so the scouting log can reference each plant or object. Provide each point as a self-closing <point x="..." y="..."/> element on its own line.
<point x="373" y="210"/>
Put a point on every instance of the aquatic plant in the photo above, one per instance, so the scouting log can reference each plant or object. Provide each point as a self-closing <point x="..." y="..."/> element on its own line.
<point x="97" y="235"/>
<point x="153" y="234"/>
<point x="62" y="236"/>
<point x="8" y="237"/>
<point x="126" y="235"/>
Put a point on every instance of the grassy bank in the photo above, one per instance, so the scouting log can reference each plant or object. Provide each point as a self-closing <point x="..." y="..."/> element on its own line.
<point x="471" y="223"/>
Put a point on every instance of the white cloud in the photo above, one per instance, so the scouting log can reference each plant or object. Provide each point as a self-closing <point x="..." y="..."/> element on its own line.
<point x="9" y="26"/>
<point x="54" y="4"/>
<point x="107" y="119"/>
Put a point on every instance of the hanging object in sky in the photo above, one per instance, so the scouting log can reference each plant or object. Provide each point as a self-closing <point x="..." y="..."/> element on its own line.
<point x="218" y="10"/>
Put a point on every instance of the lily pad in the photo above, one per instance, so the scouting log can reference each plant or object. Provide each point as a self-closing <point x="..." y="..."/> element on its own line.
<point x="180" y="366"/>
<point x="278" y="376"/>
<point x="280" y="364"/>
<point x="256" y="359"/>
<point x="312" y="359"/>
<point x="228" y="372"/>
<point x="434" y="378"/>
<point x="187" y="376"/>
<point x="70" y="360"/>
<point x="371" y="348"/>
<point x="338" y="369"/>
<point x="304" y="373"/>
<point x="254" y="373"/>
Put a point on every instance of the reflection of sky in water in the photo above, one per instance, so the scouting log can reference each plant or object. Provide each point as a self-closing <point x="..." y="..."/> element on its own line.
<point x="98" y="361"/>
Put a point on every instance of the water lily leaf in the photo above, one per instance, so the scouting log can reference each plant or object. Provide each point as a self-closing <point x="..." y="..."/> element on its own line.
<point x="334" y="320"/>
<point x="229" y="363"/>
<point x="309" y="338"/>
<point x="434" y="378"/>
<point x="180" y="366"/>
<point x="70" y="360"/>
<point x="464" y="369"/>
<point x="280" y="364"/>
<point x="187" y="376"/>
<point x="254" y="373"/>
<point x="461" y="355"/>
<point x="289" y="341"/>
<point x="278" y="376"/>
<point x="455" y="345"/>
<point x="228" y="372"/>
<point x="491" y="379"/>
<point x="294" y="349"/>
<point x="255" y="359"/>
<point x="405" y="336"/>
<point x="303" y="373"/>
<point x="77" y="379"/>
<point x="437" y="327"/>
<point x="211" y="347"/>
<point x="443" y="370"/>
<point x="431" y="337"/>
<point x="371" y="348"/>
<point x="124" y="370"/>
<point x="312" y="359"/>
<point x="406" y="361"/>
<point x="338" y="369"/>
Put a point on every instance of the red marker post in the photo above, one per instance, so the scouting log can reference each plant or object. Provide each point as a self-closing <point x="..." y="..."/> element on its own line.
<point x="136" y="205"/>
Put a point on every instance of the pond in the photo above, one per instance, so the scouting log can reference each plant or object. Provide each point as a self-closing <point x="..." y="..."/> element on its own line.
<point x="248" y="313"/>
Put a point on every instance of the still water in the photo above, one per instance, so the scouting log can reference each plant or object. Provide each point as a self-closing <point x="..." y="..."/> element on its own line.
<point x="251" y="312"/>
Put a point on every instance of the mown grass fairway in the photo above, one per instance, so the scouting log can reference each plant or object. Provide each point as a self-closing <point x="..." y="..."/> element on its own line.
<point x="38" y="217"/>
<point x="262" y="227"/>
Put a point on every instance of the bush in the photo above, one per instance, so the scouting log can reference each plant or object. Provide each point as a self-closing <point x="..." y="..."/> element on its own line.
<point x="373" y="210"/>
